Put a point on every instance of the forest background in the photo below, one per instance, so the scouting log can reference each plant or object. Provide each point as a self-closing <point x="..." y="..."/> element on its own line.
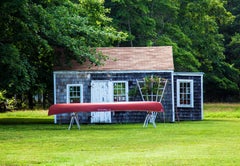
<point x="204" y="34"/>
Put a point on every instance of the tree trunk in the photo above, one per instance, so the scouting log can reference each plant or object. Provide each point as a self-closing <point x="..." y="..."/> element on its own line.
<point x="30" y="100"/>
<point x="44" y="101"/>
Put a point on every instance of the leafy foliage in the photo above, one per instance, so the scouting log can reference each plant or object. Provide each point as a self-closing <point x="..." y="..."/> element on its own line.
<point x="199" y="31"/>
<point x="5" y="103"/>
<point x="152" y="88"/>
<point x="35" y="34"/>
<point x="31" y="32"/>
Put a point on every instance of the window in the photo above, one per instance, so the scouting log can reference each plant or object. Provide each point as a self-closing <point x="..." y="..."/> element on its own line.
<point x="185" y="93"/>
<point x="74" y="93"/>
<point x="120" y="91"/>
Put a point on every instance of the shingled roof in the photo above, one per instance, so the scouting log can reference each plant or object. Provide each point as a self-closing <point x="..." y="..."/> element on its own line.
<point x="131" y="58"/>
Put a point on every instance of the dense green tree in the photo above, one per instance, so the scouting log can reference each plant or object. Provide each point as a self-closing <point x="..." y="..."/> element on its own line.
<point x="32" y="31"/>
<point x="202" y="20"/>
<point x="193" y="28"/>
<point x="170" y="32"/>
<point x="34" y="35"/>
<point x="232" y="38"/>
<point x="15" y="36"/>
<point x="133" y="18"/>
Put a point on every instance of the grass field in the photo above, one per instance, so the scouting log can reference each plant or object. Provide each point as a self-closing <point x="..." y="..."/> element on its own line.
<point x="30" y="138"/>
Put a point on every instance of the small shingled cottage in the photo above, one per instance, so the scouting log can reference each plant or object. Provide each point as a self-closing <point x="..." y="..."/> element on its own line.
<point x="117" y="80"/>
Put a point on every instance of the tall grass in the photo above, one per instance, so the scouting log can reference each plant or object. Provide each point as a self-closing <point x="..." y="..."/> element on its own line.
<point x="21" y="117"/>
<point x="222" y="110"/>
<point x="213" y="141"/>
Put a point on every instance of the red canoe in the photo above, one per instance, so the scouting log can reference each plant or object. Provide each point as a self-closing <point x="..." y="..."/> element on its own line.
<point x="99" y="107"/>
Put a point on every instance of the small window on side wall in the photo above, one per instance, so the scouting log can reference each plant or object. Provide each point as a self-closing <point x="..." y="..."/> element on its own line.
<point x="120" y="91"/>
<point x="185" y="93"/>
<point x="74" y="93"/>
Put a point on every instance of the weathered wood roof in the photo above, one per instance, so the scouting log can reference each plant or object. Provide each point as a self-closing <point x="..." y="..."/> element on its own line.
<point x="131" y="58"/>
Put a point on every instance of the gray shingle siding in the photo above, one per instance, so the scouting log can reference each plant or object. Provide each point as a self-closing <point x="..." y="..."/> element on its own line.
<point x="64" y="78"/>
<point x="169" y="100"/>
<point x="195" y="113"/>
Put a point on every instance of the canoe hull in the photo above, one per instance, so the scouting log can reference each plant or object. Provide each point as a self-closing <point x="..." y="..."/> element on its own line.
<point x="100" y="107"/>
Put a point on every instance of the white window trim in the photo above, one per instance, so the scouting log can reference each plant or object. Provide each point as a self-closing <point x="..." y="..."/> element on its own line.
<point x="126" y="83"/>
<point x="81" y="93"/>
<point x="191" y="105"/>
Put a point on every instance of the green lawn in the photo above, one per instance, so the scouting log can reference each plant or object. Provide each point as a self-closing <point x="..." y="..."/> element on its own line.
<point x="30" y="138"/>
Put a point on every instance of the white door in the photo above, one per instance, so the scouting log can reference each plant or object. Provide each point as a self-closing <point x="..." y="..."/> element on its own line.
<point x="101" y="91"/>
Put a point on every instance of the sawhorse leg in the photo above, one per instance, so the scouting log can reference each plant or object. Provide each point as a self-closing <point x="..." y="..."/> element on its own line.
<point x="151" y="117"/>
<point x="74" y="116"/>
<point x="145" y="124"/>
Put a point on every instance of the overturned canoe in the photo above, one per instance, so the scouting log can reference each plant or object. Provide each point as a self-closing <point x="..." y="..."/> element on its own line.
<point x="111" y="106"/>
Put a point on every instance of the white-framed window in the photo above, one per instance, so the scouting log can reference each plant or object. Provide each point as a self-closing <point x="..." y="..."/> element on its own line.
<point x="74" y="93"/>
<point x="120" y="91"/>
<point x="185" y="93"/>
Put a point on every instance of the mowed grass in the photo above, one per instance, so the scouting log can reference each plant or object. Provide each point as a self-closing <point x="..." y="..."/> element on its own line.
<point x="31" y="138"/>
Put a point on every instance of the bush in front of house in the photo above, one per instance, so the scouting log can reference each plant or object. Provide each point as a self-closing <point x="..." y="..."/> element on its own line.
<point x="5" y="103"/>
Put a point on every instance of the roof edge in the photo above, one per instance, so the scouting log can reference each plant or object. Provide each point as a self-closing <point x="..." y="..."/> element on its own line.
<point x="188" y="73"/>
<point x="115" y="71"/>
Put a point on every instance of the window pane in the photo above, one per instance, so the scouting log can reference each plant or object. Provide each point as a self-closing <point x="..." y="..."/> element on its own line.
<point x="75" y="94"/>
<point x="119" y="91"/>
<point x="184" y="92"/>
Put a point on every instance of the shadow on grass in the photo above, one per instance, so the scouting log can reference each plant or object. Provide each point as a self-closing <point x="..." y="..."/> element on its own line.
<point x="48" y="124"/>
<point x="11" y="121"/>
